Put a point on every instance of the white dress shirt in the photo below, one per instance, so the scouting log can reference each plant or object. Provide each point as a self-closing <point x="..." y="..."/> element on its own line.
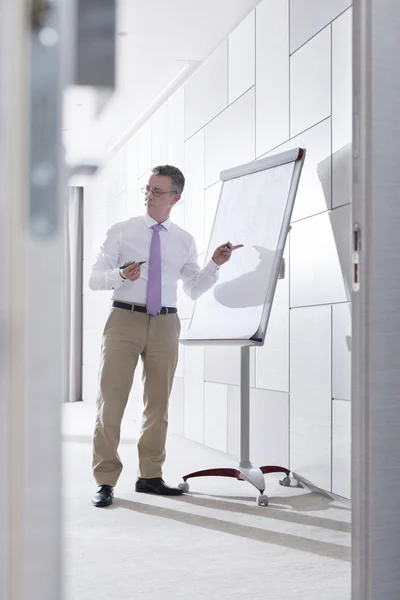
<point x="130" y="241"/>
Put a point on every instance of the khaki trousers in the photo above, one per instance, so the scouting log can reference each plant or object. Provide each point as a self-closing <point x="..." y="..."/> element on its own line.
<point x="128" y="335"/>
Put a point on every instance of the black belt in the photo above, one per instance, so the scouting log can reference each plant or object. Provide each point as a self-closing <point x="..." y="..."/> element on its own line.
<point x="137" y="308"/>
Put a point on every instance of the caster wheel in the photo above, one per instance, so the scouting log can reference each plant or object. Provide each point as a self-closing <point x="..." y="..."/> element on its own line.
<point x="262" y="500"/>
<point x="286" y="482"/>
<point x="184" y="486"/>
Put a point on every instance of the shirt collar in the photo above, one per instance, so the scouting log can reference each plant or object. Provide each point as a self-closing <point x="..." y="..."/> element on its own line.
<point x="150" y="222"/>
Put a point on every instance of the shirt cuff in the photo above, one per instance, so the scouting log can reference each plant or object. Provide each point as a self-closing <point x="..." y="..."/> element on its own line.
<point x="212" y="266"/>
<point x="115" y="279"/>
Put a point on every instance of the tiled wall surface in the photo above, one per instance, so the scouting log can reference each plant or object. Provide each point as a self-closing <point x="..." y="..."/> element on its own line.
<point x="282" y="79"/>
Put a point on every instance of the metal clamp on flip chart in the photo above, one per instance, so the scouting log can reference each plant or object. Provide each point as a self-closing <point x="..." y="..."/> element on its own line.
<point x="282" y="270"/>
<point x="356" y="256"/>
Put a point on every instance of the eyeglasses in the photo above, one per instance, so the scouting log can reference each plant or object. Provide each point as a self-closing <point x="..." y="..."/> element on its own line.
<point x="156" y="193"/>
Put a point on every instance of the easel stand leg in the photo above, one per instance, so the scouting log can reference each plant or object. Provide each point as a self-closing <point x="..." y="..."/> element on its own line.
<point x="245" y="471"/>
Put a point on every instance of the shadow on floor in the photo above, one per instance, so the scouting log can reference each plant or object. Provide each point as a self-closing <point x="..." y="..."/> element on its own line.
<point x="270" y="512"/>
<point x="302" y="502"/>
<point x="294" y="542"/>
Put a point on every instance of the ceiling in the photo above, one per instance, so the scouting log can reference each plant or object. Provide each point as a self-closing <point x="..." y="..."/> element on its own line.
<point x="158" y="43"/>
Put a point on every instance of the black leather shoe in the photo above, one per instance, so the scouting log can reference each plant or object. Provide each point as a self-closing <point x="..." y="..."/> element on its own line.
<point x="156" y="486"/>
<point x="104" y="496"/>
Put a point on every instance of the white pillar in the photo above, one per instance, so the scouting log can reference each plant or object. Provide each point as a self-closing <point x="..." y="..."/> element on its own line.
<point x="376" y="306"/>
<point x="32" y="361"/>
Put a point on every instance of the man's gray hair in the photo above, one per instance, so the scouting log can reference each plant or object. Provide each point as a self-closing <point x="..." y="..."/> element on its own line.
<point x="177" y="177"/>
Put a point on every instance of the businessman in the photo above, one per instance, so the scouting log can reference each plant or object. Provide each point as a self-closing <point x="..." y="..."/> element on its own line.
<point x="142" y="260"/>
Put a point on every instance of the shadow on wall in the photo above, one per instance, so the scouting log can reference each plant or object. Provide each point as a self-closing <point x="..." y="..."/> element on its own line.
<point x="249" y="289"/>
<point x="341" y="180"/>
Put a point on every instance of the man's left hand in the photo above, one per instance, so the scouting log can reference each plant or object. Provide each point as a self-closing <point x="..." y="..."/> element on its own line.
<point x="224" y="252"/>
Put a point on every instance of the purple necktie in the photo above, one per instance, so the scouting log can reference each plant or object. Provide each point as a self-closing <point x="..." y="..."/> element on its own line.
<point x="154" y="281"/>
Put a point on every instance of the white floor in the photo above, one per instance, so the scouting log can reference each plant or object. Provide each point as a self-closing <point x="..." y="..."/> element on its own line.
<point x="213" y="543"/>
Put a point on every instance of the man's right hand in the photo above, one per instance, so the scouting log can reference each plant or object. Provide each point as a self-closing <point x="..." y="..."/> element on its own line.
<point x="132" y="273"/>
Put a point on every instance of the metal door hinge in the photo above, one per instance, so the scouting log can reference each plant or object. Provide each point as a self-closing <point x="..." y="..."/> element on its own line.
<point x="38" y="10"/>
<point x="356" y="256"/>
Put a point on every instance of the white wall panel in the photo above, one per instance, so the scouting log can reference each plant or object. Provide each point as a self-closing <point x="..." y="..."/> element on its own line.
<point x="310" y="83"/>
<point x="224" y="367"/>
<point x="119" y="207"/>
<point x="230" y="138"/>
<point x="132" y="205"/>
<point x="234" y="421"/>
<point x="314" y="192"/>
<point x="99" y="230"/>
<point x="341" y="351"/>
<point x="180" y="367"/>
<point x="176" y="408"/>
<point x="117" y="169"/>
<point x="272" y="359"/>
<point x="194" y="393"/>
<point x="211" y="197"/>
<point x="90" y="379"/>
<point x="178" y="214"/>
<point x="141" y="183"/>
<point x="110" y="184"/>
<point x="132" y="164"/>
<point x="242" y="58"/>
<point x="307" y="17"/>
<point x="87" y="224"/>
<point x="104" y="190"/>
<point x="113" y="209"/>
<point x="341" y="220"/>
<point x="87" y="265"/>
<point x="91" y="346"/>
<point x="272" y="74"/>
<point x="269" y="428"/>
<point x="159" y="137"/>
<point x="95" y="194"/>
<point x="206" y="92"/>
<point x="320" y="259"/>
<point x="176" y="130"/>
<point x="194" y="192"/>
<point x="144" y="149"/>
<point x="95" y="310"/>
<point x="216" y="416"/>
<point x="310" y="394"/>
<point x="342" y="98"/>
<point x="341" y="449"/>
